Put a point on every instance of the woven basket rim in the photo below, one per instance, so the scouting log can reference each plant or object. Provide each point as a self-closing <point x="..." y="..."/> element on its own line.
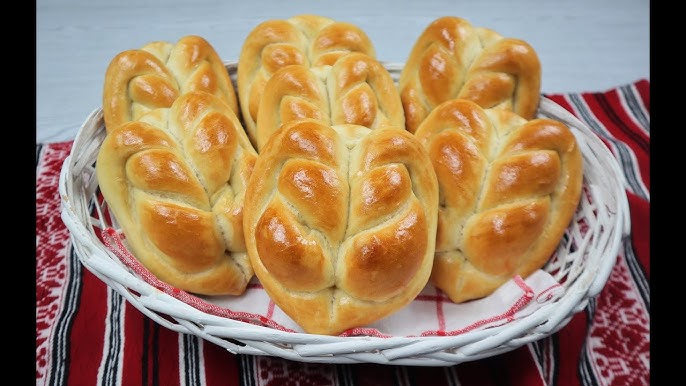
<point x="77" y="177"/>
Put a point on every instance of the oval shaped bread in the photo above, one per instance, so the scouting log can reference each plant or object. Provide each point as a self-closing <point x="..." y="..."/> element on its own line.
<point x="308" y="40"/>
<point x="453" y="59"/>
<point x="509" y="188"/>
<point x="175" y="181"/>
<point x="140" y="80"/>
<point x="356" y="89"/>
<point x="340" y="222"/>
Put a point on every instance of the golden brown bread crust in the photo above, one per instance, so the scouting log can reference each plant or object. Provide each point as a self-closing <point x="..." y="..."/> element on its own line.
<point x="340" y="222"/>
<point x="453" y="59"/>
<point x="140" y="80"/>
<point x="308" y="40"/>
<point x="509" y="188"/>
<point x="356" y="89"/>
<point x="175" y="181"/>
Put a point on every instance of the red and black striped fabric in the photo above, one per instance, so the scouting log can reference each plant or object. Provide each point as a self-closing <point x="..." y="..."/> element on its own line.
<point x="87" y="334"/>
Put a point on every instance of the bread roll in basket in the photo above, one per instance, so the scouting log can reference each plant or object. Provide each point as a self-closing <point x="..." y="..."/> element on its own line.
<point x="454" y="59"/>
<point x="340" y="222"/>
<point x="308" y="40"/>
<point x="140" y="80"/>
<point x="355" y="89"/>
<point x="175" y="181"/>
<point x="509" y="189"/>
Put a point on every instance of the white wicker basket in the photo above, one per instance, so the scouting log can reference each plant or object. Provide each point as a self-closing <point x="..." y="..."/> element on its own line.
<point x="582" y="265"/>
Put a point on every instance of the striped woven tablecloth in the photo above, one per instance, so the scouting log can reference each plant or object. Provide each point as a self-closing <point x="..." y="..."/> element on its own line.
<point x="87" y="334"/>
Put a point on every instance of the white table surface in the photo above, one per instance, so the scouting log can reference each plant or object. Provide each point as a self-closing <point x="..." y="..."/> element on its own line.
<point x="583" y="45"/>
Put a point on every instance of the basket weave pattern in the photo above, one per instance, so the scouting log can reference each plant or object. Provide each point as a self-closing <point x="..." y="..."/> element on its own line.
<point x="581" y="264"/>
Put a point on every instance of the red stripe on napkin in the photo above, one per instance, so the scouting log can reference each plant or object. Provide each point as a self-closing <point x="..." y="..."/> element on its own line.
<point x="88" y="333"/>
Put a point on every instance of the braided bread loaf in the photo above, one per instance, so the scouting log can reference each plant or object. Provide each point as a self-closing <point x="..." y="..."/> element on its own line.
<point x="509" y="188"/>
<point x="175" y="181"/>
<point x="308" y="40"/>
<point x="140" y="80"/>
<point x="453" y="59"/>
<point x="356" y="89"/>
<point x="340" y="222"/>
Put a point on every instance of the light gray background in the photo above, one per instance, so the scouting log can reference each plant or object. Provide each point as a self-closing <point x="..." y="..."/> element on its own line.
<point x="583" y="45"/>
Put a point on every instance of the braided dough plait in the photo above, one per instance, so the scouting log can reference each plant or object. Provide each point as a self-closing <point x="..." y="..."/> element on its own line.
<point x="356" y="89"/>
<point x="308" y="40"/>
<point x="509" y="188"/>
<point x="453" y="59"/>
<point x="140" y="80"/>
<point x="340" y="222"/>
<point x="175" y="182"/>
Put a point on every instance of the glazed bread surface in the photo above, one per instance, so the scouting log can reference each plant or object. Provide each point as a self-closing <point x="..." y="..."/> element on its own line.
<point x="310" y="40"/>
<point x="340" y="222"/>
<point x="355" y="89"/>
<point x="175" y="181"/>
<point x="140" y="80"/>
<point x="453" y="59"/>
<point x="509" y="188"/>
